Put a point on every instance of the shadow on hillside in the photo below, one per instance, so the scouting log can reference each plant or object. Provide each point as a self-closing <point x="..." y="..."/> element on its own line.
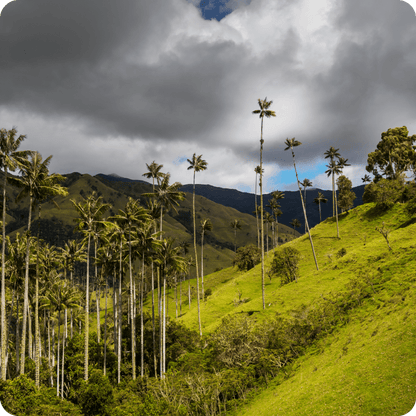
<point x="375" y="212"/>
<point x="407" y="223"/>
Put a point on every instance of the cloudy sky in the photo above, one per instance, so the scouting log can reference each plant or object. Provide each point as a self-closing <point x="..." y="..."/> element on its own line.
<point x="106" y="86"/>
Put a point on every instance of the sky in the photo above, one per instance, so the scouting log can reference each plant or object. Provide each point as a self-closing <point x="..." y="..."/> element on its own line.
<point x="108" y="86"/>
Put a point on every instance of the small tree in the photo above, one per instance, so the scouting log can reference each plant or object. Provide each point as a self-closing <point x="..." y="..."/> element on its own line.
<point x="320" y="198"/>
<point x="247" y="257"/>
<point x="236" y="225"/>
<point x="285" y="264"/>
<point x="384" y="192"/>
<point x="295" y="223"/>
<point x="346" y="195"/>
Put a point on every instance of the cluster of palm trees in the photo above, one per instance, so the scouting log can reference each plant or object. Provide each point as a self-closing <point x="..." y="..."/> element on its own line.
<point x="128" y="246"/>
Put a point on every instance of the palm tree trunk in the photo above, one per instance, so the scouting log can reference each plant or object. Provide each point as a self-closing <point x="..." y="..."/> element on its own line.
<point x="64" y="336"/>
<point x="164" y="326"/>
<point x="26" y="293"/>
<point x="257" y="214"/>
<point x="304" y="211"/>
<point x="57" y="361"/>
<point x="17" y="335"/>
<point x="202" y="265"/>
<point x="97" y="293"/>
<point x="120" y="321"/>
<point x="153" y="321"/>
<point x="3" y="285"/>
<point x="196" y="262"/>
<point x="133" y="345"/>
<point x="261" y="217"/>
<point x="320" y="218"/>
<point x="105" y="327"/>
<point x="141" y="323"/>
<point x="336" y="204"/>
<point x="87" y="311"/>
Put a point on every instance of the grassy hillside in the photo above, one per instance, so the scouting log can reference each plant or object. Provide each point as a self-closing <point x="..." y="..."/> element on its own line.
<point x="57" y="225"/>
<point x="366" y="364"/>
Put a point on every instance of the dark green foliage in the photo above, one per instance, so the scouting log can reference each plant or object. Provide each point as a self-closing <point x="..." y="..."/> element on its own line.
<point x="247" y="257"/>
<point x="385" y="193"/>
<point x="208" y="292"/>
<point x="346" y="196"/>
<point x="394" y="154"/>
<point x="341" y="252"/>
<point x="96" y="396"/>
<point x="285" y="264"/>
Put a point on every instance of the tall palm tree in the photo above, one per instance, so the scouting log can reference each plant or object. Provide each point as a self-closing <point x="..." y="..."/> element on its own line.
<point x="295" y="223"/>
<point x="276" y="211"/>
<point x="331" y="154"/>
<point x="290" y="144"/>
<point x="90" y="212"/>
<point x="167" y="196"/>
<point x="320" y="198"/>
<point x="235" y="225"/>
<point x="9" y="161"/>
<point x="334" y="169"/>
<point x="263" y="112"/>
<point x="130" y="219"/>
<point x="258" y="172"/>
<point x="306" y="184"/>
<point x="197" y="164"/>
<point x="37" y="184"/>
<point x="206" y="225"/>
<point x="366" y="179"/>
<point x="154" y="173"/>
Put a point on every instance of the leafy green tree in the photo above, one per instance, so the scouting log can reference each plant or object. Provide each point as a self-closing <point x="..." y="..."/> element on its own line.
<point x="206" y="225"/>
<point x="384" y="192"/>
<point x="263" y="112"/>
<point x="247" y="257"/>
<point x="320" y="198"/>
<point x="36" y="183"/>
<point x="96" y="396"/>
<point x="290" y="144"/>
<point x="346" y="195"/>
<point x="285" y="264"/>
<point x="9" y="161"/>
<point x="394" y="155"/>
<point x="197" y="164"/>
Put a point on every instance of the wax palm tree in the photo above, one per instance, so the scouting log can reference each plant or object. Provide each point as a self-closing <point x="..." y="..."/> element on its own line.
<point x="331" y="154"/>
<point x="263" y="112"/>
<point x="147" y="244"/>
<point x="206" y="225"/>
<point x="334" y="169"/>
<point x="235" y="225"/>
<point x="170" y="259"/>
<point x="130" y="219"/>
<point x="306" y="184"/>
<point x="37" y="184"/>
<point x="268" y="220"/>
<point x="320" y="198"/>
<point x="276" y="211"/>
<point x="90" y="211"/>
<point x="366" y="179"/>
<point x="197" y="164"/>
<point x="258" y="172"/>
<point x="290" y="144"/>
<point x="9" y="161"/>
<point x="167" y="196"/>
<point x="295" y="223"/>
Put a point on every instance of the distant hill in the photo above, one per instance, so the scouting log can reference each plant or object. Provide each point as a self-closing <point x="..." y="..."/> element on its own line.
<point x="58" y="225"/>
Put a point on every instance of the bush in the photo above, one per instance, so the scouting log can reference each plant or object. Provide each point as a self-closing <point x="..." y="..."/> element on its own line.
<point x="385" y="193"/>
<point x="247" y="257"/>
<point x="285" y="264"/>
<point x="341" y="252"/>
<point x="96" y="396"/>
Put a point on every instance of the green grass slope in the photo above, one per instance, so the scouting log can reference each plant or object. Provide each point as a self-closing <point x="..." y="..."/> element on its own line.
<point x="367" y="364"/>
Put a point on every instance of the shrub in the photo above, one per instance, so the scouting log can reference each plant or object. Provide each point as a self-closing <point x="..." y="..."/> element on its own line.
<point x="285" y="264"/>
<point x="96" y="396"/>
<point x="385" y="193"/>
<point x="247" y="257"/>
<point x="341" y="252"/>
